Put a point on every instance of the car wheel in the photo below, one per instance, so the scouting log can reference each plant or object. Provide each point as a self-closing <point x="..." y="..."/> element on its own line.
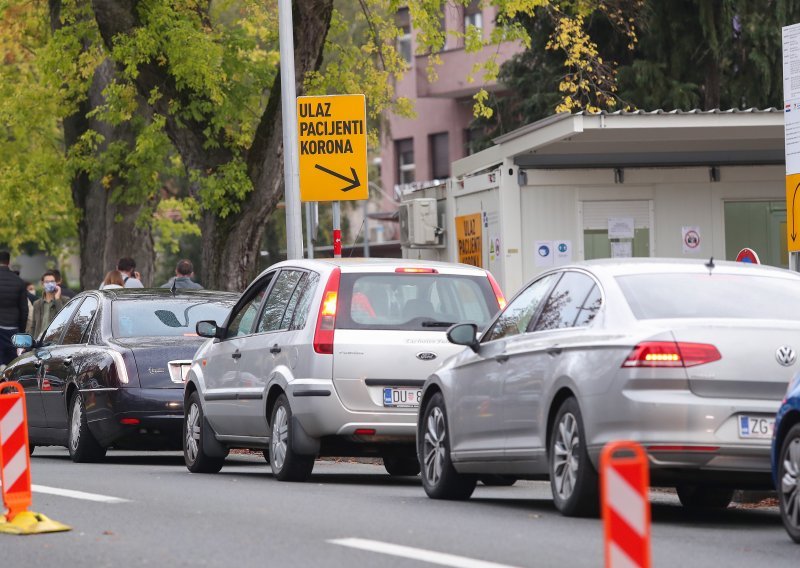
<point x="401" y="465"/>
<point x="704" y="497"/>
<point x="573" y="478"/>
<point x="789" y="479"/>
<point x="439" y="478"/>
<point x="498" y="480"/>
<point x="197" y="461"/>
<point x="81" y="443"/>
<point x="287" y="465"/>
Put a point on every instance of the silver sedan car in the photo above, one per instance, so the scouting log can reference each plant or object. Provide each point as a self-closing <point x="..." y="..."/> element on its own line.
<point x="690" y="359"/>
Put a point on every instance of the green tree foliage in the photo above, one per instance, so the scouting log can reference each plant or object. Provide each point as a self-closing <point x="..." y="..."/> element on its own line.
<point x="689" y="54"/>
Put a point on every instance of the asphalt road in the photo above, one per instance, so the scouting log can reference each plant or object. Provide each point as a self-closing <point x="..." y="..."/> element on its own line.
<point x="347" y="515"/>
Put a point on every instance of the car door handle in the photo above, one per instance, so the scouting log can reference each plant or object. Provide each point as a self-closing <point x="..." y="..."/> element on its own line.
<point x="502" y="358"/>
<point x="553" y="351"/>
<point x="236" y="355"/>
<point x="275" y="349"/>
<point x="68" y="361"/>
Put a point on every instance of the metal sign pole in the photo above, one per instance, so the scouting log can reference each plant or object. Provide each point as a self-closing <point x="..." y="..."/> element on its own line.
<point x="294" y="222"/>
<point x="310" y="226"/>
<point x="337" y="230"/>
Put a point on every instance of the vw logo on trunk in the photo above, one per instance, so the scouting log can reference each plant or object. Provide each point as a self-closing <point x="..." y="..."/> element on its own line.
<point x="786" y="356"/>
<point x="426" y="356"/>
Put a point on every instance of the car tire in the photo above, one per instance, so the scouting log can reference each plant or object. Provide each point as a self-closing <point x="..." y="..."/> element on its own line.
<point x="401" y="466"/>
<point x="573" y="479"/>
<point x="194" y="431"/>
<point x="286" y="464"/>
<point x="439" y="478"/>
<point x="81" y="443"/>
<point x="495" y="480"/>
<point x="699" y="497"/>
<point x="789" y="482"/>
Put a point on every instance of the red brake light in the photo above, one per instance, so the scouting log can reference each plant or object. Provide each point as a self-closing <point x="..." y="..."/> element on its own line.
<point x="498" y="293"/>
<point x="417" y="270"/>
<point x="671" y="354"/>
<point x="326" y="319"/>
<point x="129" y="421"/>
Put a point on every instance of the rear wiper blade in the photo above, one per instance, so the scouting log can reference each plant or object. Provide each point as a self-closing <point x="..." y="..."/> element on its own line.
<point x="437" y="323"/>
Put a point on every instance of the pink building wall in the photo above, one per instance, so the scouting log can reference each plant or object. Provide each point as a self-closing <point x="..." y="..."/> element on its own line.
<point x="443" y="106"/>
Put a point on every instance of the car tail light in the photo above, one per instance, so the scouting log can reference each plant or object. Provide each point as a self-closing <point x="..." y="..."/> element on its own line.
<point x="129" y="421"/>
<point x="364" y="432"/>
<point x="417" y="270"/>
<point x="671" y="354"/>
<point x="498" y="293"/>
<point x="119" y="365"/>
<point x="326" y="320"/>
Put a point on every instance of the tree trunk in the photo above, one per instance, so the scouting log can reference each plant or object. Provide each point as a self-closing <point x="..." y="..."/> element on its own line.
<point x="106" y="229"/>
<point x="230" y="245"/>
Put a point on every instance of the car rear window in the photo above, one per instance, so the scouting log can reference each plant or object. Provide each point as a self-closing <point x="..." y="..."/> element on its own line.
<point x="656" y="296"/>
<point x="168" y="317"/>
<point x="424" y="302"/>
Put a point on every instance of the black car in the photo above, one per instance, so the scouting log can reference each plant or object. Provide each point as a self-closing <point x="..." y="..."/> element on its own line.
<point x="110" y="368"/>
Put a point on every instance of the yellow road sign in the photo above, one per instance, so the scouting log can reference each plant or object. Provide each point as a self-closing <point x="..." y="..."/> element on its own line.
<point x="792" y="206"/>
<point x="332" y="141"/>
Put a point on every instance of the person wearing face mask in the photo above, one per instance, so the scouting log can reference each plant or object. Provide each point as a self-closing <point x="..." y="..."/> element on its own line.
<point x="46" y="307"/>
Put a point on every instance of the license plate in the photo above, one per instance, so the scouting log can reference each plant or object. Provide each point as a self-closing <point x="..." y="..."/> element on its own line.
<point x="755" y="427"/>
<point x="401" y="397"/>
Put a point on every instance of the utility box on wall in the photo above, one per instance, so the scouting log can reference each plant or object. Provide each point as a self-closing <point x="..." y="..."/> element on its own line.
<point x="419" y="223"/>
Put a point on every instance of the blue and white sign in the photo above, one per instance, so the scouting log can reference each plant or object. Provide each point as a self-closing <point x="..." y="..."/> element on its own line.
<point x="544" y="254"/>
<point x="563" y="252"/>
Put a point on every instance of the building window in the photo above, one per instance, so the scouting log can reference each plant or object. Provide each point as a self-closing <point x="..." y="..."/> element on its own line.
<point x="403" y="22"/>
<point x="473" y="15"/>
<point x="440" y="155"/>
<point x="404" y="150"/>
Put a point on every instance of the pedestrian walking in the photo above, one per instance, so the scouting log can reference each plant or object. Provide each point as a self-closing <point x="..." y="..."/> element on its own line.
<point x="183" y="277"/>
<point x="13" y="308"/>
<point x="130" y="278"/>
<point x="113" y="279"/>
<point x="46" y="307"/>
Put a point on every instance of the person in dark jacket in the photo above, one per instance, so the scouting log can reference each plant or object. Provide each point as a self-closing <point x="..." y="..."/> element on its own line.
<point x="46" y="307"/>
<point x="13" y="308"/>
<point x="183" y="277"/>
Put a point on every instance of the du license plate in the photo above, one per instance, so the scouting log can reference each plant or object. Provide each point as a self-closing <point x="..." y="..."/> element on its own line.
<point x="755" y="427"/>
<point x="401" y="397"/>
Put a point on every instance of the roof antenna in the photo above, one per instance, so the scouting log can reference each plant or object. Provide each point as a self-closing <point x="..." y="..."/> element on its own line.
<point x="174" y="287"/>
<point x="710" y="265"/>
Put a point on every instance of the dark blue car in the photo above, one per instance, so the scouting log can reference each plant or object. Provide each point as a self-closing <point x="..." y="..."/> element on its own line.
<point x="786" y="459"/>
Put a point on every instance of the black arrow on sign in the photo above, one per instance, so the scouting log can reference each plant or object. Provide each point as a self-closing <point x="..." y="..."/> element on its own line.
<point x="794" y="199"/>
<point x="354" y="181"/>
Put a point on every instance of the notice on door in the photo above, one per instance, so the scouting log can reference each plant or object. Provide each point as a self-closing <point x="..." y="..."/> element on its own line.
<point x="470" y="240"/>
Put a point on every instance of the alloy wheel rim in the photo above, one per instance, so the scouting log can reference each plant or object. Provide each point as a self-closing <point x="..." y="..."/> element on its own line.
<point x="280" y="437"/>
<point x="434" y="446"/>
<point x="192" y="433"/>
<point x="75" y="425"/>
<point x="565" y="456"/>
<point x="790" y="484"/>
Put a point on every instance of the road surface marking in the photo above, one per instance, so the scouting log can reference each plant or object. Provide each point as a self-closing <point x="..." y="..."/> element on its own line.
<point x="78" y="494"/>
<point x="420" y="554"/>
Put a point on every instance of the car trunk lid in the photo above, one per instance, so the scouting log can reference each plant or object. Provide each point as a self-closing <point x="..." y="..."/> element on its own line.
<point x="758" y="357"/>
<point x="153" y="356"/>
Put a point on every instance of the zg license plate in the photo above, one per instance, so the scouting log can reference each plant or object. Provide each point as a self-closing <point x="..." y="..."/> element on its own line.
<point x="755" y="427"/>
<point x="401" y="397"/>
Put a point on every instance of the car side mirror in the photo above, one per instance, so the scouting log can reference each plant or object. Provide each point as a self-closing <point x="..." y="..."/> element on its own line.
<point x="208" y="329"/>
<point x="22" y="341"/>
<point x="464" y="334"/>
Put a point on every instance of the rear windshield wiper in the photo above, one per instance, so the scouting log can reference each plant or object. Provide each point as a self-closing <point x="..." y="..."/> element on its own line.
<point x="437" y="323"/>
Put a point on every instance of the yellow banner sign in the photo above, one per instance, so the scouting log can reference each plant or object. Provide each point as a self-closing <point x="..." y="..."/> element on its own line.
<point x="792" y="205"/>
<point x="332" y="141"/>
<point x="470" y="241"/>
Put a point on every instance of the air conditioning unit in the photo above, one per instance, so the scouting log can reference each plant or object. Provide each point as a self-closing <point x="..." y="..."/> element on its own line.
<point x="419" y="226"/>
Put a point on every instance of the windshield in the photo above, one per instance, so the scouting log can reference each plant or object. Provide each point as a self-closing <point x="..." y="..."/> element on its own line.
<point x="655" y="296"/>
<point x="167" y="317"/>
<point x="425" y="302"/>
